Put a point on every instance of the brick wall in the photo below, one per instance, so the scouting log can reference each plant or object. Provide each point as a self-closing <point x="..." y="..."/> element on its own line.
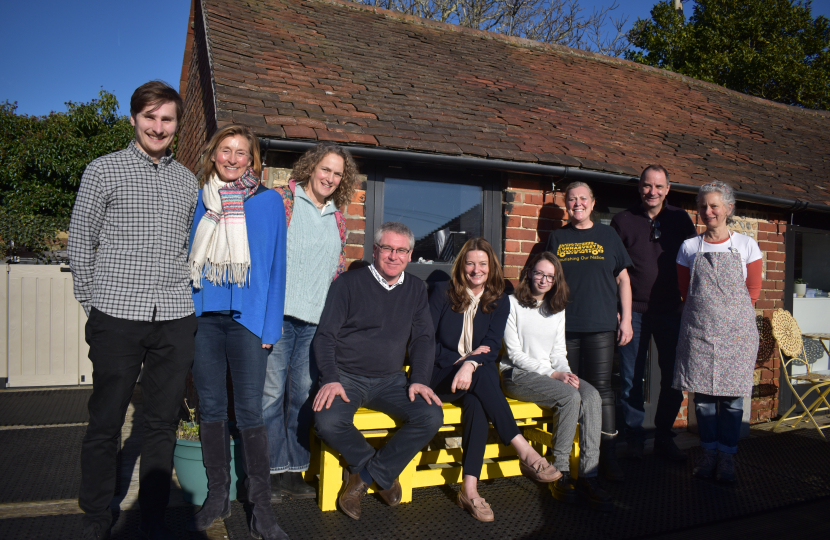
<point x="532" y="210"/>
<point x="199" y="117"/>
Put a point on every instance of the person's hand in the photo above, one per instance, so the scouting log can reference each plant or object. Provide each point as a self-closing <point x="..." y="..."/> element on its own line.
<point x="463" y="377"/>
<point x="483" y="349"/>
<point x="425" y="392"/>
<point x="266" y="345"/>
<point x="565" y="377"/>
<point x="326" y="395"/>
<point x="624" y="332"/>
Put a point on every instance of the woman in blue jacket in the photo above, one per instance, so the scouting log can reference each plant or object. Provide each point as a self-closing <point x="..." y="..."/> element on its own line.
<point x="237" y="263"/>
<point x="469" y="313"/>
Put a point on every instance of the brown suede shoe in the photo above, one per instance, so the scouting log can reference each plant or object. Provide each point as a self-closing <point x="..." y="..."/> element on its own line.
<point x="478" y="507"/>
<point x="353" y="489"/>
<point x="392" y="496"/>
<point x="541" y="471"/>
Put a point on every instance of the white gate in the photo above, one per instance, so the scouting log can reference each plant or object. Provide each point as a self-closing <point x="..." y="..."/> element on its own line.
<point x="44" y="337"/>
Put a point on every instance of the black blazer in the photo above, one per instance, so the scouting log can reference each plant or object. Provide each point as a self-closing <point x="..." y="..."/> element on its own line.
<point x="488" y="328"/>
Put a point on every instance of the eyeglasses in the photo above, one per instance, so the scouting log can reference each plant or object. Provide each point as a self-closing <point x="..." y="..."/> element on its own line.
<point x="655" y="229"/>
<point x="386" y="250"/>
<point x="542" y="277"/>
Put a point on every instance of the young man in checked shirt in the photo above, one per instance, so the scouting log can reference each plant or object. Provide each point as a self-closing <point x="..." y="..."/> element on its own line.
<point x="128" y="241"/>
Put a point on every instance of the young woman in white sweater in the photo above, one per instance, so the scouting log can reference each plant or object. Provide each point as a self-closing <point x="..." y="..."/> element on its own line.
<point x="536" y="370"/>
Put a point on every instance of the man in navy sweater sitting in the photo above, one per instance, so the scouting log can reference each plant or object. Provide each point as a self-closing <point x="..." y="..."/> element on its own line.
<point x="360" y="346"/>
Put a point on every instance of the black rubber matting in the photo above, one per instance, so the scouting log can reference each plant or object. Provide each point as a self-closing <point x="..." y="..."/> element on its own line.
<point x="44" y="407"/>
<point x="68" y="527"/>
<point x="658" y="497"/>
<point x="40" y="464"/>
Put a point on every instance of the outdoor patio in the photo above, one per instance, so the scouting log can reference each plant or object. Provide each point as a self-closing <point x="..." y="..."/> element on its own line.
<point x="783" y="491"/>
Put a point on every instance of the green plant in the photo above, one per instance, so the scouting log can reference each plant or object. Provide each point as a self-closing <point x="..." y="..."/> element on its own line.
<point x="188" y="431"/>
<point x="800" y="281"/>
<point x="42" y="159"/>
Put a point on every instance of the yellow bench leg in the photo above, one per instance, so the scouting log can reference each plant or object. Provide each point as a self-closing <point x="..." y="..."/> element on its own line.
<point x="407" y="479"/>
<point x="331" y="478"/>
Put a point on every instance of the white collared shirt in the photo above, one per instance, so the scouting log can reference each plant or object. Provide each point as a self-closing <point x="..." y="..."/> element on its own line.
<point x="382" y="281"/>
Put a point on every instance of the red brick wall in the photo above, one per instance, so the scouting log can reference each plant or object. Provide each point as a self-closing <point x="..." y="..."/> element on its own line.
<point x="199" y="118"/>
<point x="531" y="211"/>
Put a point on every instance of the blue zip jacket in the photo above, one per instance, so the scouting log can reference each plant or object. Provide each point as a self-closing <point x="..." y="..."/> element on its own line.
<point x="258" y="306"/>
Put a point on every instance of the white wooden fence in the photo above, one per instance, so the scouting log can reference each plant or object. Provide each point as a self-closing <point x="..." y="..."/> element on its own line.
<point x="42" y="343"/>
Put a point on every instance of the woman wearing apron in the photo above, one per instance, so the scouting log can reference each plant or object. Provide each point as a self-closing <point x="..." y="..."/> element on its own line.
<point x="719" y="274"/>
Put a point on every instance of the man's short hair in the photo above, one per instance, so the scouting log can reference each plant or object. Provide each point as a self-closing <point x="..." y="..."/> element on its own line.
<point x="155" y="93"/>
<point x="397" y="228"/>
<point x="655" y="167"/>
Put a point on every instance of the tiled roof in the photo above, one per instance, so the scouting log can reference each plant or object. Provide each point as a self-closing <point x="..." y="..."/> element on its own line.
<point x="333" y="70"/>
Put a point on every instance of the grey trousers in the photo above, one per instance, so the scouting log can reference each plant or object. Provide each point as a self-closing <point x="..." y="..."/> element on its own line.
<point x="570" y="406"/>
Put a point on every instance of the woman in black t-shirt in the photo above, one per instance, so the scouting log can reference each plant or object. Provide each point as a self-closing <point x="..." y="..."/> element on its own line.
<point x="594" y="262"/>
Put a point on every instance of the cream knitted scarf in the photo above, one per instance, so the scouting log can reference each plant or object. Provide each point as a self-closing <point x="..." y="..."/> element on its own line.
<point x="220" y="246"/>
<point x="465" y="344"/>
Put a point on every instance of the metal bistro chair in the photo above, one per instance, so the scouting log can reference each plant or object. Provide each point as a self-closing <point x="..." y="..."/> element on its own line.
<point x="788" y="338"/>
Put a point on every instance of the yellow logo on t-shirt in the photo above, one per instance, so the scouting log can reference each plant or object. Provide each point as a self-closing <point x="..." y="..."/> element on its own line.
<point x="582" y="248"/>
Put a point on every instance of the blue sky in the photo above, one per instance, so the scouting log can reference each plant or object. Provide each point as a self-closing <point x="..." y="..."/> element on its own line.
<point x="58" y="51"/>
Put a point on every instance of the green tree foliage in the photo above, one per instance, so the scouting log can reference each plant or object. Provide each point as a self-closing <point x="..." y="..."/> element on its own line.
<point x="773" y="49"/>
<point x="42" y="159"/>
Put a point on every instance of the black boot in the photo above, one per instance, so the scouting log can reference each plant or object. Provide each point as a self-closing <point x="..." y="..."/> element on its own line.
<point x="263" y="523"/>
<point x="608" y="464"/>
<point x="564" y="489"/>
<point x="293" y="484"/>
<point x="276" y="487"/>
<point x="591" y="490"/>
<point x="216" y="455"/>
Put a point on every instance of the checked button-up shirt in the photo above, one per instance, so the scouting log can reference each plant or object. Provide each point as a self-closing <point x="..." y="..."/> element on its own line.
<point x="128" y="236"/>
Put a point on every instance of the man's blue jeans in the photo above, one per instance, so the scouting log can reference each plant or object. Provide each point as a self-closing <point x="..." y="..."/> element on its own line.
<point x="222" y="342"/>
<point x="719" y="422"/>
<point x="286" y="405"/>
<point x="665" y="328"/>
<point x="420" y="421"/>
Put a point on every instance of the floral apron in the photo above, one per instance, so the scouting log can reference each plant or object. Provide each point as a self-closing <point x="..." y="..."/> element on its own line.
<point x="718" y="343"/>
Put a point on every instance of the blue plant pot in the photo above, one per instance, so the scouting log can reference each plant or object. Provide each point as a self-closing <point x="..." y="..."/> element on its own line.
<point x="187" y="459"/>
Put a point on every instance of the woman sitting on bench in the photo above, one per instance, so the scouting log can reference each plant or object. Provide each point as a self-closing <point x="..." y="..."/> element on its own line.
<point x="469" y="313"/>
<point x="537" y="371"/>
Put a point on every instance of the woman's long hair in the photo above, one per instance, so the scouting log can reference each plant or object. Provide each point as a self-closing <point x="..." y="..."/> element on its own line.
<point x="305" y="166"/>
<point x="556" y="298"/>
<point x="493" y="287"/>
<point x="207" y="167"/>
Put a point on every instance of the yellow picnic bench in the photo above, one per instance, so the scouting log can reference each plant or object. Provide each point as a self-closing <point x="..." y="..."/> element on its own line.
<point x="436" y="464"/>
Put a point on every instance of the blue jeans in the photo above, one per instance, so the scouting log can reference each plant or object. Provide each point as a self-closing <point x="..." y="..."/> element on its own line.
<point x="719" y="422"/>
<point x="286" y="406"/>
<point x="221" y="342"/>
<point x="419" y="422"/>
<point x="665" y="327"/>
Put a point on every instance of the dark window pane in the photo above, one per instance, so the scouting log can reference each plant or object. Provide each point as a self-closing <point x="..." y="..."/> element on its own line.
<point x="441" y="215"/>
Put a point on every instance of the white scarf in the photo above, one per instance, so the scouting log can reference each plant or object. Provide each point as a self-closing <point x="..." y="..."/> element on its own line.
<point x="465" y="344"/>
<point x="220" y="246"/>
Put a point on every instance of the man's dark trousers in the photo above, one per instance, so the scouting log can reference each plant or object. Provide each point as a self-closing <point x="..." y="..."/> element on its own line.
<point x="388" y="395"/>
<point x="665" y="328"/>
<point x="117" y="349"/>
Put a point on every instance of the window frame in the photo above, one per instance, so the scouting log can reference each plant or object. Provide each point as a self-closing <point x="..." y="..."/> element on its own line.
<point x="489" y="181"/>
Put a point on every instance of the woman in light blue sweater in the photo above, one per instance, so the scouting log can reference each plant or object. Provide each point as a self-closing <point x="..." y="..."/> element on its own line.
<point x="323" y="180"/>
<point x="237" y="264"/>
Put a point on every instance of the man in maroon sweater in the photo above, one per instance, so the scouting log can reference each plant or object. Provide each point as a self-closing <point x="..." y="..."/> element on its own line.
<point x="652" y="232"/>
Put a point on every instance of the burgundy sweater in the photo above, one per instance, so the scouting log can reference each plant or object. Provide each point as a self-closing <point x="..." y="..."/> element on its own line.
<point x="654" y="275"/>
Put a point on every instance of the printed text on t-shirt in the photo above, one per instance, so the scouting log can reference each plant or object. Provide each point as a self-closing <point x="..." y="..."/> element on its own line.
<point x="580" y="251"/>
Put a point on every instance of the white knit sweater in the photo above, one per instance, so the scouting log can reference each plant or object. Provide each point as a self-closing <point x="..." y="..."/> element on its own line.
<point x="535" y="342"/>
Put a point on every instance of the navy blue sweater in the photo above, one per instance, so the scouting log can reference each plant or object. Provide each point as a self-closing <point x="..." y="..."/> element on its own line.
<point x="364" y="329"/>
<point x="488" y="328"/>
